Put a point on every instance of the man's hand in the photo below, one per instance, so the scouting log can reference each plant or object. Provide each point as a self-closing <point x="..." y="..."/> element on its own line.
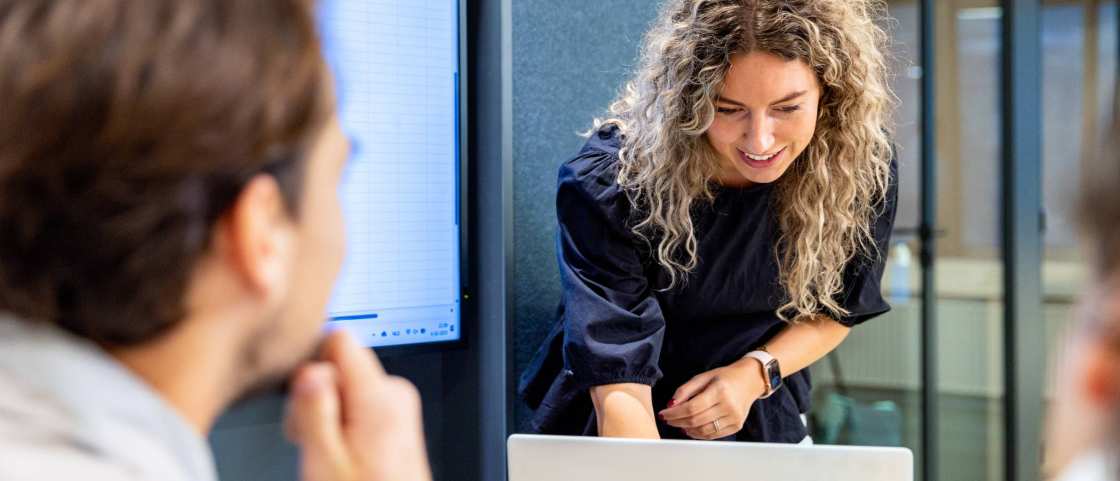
<point x="347" y="417"/>
<point x="715" y="404"/>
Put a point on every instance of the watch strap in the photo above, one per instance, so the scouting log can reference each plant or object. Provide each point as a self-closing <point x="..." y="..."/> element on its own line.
<point x="768" y="362"/>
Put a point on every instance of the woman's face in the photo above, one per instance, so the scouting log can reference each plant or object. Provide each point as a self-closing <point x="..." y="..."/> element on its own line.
<point x="765" y="117"/>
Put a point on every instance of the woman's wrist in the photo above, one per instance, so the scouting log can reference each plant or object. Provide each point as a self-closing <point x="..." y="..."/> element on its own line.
<point x="750" y="370"/>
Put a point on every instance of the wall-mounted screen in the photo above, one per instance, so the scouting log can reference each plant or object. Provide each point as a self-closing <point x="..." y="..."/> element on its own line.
<point x="396" y="68"/>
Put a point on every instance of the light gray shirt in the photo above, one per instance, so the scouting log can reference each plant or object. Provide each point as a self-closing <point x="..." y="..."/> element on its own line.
<point x="1096" y="465"/>
<point x="70" y="411"/>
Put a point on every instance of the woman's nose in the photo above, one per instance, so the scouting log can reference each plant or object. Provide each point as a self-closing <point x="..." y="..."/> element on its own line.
<point x="759" y="136"/>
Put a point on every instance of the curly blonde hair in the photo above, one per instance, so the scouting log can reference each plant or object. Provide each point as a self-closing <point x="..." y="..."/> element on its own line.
<point x="828" y="199"/>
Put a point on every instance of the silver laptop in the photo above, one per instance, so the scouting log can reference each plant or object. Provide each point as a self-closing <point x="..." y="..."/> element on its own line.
<point x="567" y="458"/>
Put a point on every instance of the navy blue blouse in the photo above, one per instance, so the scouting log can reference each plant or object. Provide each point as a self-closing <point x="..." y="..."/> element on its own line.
<point x="617" y="324"/>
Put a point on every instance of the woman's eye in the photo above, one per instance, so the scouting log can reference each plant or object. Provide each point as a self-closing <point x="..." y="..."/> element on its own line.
<point x="789" y="109"/>
<point x="726" y="110"/>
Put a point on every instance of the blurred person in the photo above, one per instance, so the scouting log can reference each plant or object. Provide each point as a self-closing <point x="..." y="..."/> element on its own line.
<point x="171" y="230"/>
<point x="724" y="228"/>
<point x="1084" y="426"/>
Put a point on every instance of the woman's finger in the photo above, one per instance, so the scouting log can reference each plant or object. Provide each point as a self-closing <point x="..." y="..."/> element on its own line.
<point x="691" y="388"/>
<point x="700" y="420"/>
<point x="709" y="432"/>
<point x="701" y="402"/>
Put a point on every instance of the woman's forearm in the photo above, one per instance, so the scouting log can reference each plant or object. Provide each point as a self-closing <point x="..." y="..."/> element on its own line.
<point x="802" y="344"/>
<point x="625" y="411"/>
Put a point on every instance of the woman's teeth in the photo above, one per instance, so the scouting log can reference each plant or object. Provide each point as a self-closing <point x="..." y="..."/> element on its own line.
<point x="759" y="157"/>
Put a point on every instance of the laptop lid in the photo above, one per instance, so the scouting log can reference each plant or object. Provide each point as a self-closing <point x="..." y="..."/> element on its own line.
<point x="576" y="458"/>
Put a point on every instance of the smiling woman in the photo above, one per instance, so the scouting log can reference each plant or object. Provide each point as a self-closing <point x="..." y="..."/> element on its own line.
<point x="723" y="227"/>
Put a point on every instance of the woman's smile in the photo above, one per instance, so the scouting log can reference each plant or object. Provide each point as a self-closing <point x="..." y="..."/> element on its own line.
<point x="761" y="161"/>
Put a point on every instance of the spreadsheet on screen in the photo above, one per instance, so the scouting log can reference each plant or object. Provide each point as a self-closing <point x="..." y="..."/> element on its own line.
<point x="396" y="68"/>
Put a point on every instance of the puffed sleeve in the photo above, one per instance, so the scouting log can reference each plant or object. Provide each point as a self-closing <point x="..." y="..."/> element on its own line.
<point x="862" y="296"/>
<point x="613" y="325"/>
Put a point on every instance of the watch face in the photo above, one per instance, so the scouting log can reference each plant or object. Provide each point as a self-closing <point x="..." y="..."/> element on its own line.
<point x="774" y="374"/>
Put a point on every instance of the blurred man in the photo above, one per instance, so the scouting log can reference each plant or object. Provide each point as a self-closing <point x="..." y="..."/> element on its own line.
<point x="1085" y="424"/>
<point x="169" y="234"/>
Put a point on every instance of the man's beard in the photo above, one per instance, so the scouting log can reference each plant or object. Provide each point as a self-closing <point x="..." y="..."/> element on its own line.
<point x="260" y="379"/>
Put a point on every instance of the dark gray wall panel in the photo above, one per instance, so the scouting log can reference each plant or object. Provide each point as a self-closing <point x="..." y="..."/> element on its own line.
<point x="570" y="58"/>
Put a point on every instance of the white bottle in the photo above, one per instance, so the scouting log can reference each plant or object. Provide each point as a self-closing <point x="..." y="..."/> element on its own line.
<point x="899" y="265"/>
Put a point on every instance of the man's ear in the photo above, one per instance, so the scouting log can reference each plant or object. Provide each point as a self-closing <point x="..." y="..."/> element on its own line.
<point x="258" y="237"/>
<point x="1100" y="381"/>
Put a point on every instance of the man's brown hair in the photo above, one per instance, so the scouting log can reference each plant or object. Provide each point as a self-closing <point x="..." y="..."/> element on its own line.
<point x="1100" y="203"/>
<point x="127" y="128"/>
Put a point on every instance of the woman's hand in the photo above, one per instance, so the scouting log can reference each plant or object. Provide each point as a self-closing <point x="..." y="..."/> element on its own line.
<point x="715" y="404"/>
